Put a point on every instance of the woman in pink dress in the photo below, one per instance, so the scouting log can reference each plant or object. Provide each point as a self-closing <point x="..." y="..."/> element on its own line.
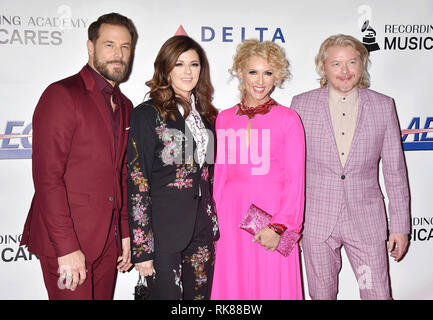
<point x="260" y="161"/>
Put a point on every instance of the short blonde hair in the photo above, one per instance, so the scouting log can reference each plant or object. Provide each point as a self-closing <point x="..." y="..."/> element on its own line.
<point x="271" y="52"/>
<point x="342" y="40"/>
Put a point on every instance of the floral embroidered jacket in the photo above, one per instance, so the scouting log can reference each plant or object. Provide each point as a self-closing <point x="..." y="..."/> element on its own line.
<point x="164" y="183"/>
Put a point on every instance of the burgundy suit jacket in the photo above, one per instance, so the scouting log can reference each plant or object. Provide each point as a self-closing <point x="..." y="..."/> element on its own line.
<point x="78" y="178"/>
<point x="330" y="187"/>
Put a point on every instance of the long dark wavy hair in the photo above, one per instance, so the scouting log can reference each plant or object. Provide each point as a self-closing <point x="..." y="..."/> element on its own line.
<point x="161" y="90"/>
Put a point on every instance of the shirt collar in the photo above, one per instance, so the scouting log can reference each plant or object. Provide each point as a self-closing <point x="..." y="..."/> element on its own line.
<point x="101" y="82"/>
<point x="193" y="108"/>
<point x="335" y="97"/>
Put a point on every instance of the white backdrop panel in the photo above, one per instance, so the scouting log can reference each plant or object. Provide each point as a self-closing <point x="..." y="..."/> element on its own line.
<point x="44" y="41"/>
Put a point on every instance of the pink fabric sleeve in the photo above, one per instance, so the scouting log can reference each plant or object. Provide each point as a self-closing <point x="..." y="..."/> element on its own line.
<point x="291" y="212"/>
<point x="395" y="176"/>
<point x="220" y="166"/>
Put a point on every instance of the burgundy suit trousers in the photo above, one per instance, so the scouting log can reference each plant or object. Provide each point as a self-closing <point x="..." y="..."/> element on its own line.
<point x="100" y="281"/>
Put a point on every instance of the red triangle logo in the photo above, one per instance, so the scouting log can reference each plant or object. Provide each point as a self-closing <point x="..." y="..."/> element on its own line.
<point x="181" y="32"/>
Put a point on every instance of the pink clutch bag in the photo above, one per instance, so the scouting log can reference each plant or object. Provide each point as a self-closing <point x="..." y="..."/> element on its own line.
<point x="256" y="219"/>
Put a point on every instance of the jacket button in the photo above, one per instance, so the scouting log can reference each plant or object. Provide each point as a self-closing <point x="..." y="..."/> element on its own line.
<point x="111" y="199"/>
<point x="343" y="177"/>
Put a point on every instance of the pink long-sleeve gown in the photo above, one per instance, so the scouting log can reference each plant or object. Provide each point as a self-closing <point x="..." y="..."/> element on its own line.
<point x="269" y="173"/>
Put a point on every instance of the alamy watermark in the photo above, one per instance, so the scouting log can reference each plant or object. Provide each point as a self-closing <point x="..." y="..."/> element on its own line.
<point x="240" y="146"/>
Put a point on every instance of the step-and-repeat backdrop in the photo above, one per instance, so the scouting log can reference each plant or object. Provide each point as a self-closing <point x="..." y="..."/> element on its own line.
<point x="44" y="41"/>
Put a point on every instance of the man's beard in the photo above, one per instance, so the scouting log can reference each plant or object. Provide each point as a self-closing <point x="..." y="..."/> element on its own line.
<point x="116" y="75"/>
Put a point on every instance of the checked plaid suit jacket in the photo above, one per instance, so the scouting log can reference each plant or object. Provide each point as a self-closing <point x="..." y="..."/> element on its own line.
<point x="331" y="188"/>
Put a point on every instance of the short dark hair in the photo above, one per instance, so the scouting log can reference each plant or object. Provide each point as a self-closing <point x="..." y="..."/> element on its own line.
<point x="111" y="18"/>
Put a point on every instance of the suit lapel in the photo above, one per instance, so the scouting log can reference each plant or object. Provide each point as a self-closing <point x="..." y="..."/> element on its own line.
<point x="181" y="125"/>
<point x="97" y="99"/>
<point x="325" y="113"/>
<point x="360" y="120"/>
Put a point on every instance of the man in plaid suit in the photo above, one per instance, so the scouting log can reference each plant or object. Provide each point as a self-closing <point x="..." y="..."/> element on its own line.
<point x="348" y="129"/>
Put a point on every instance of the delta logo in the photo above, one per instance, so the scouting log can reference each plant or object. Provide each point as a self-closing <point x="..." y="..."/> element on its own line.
<point x="234" y="34"/>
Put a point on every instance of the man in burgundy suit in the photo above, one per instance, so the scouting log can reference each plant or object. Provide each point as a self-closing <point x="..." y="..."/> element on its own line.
<point x="348" y="129"/>
<point x="77" y="223"/>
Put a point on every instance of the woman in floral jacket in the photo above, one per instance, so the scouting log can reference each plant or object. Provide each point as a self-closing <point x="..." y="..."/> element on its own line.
<point x="171" y="148"/>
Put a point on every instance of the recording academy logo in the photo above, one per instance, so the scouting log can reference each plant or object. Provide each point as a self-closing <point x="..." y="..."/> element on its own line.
<point x="417" y="35"/>
<point x="369" y="37"/>
<point x="422" y="229"/>
<point x="10" y="250"/>
<point x="39" y="30"/>
<point x="408" y="37"/>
